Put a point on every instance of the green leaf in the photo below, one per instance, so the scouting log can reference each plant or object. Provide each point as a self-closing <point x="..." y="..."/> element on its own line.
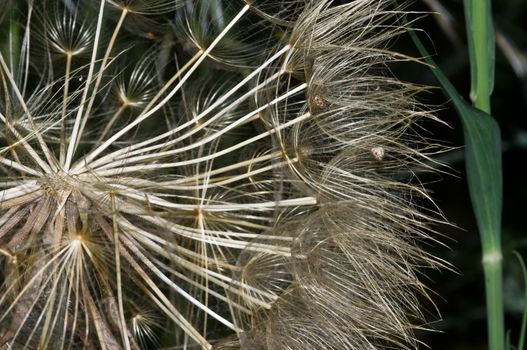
<point x="483" y="164"/>
<point x="483" y="155"/>
<point x="523" y="330"/>
<point x="10" y="39"/>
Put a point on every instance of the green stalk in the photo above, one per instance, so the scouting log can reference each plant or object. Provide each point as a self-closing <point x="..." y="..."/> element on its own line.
<point x="492" y="268"/>
<point x="480" y="35"/>
<point x="523" y="329"/>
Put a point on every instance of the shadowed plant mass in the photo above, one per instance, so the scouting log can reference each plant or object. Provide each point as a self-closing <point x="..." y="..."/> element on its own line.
<point x="207" y="174"/>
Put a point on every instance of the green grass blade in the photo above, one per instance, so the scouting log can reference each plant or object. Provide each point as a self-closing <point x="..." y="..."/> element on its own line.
<point x="10" y="39"/>
<point x="523" y="329"/>
<point x="483" y="165"/>
<point x="483" y="154"/>
<point x="481" y="48"/>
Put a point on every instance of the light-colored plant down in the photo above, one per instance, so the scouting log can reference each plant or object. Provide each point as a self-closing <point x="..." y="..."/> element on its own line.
<point x="207" y="174"/>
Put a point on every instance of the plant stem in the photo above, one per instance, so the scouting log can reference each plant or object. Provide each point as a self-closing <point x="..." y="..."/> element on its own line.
<point x="481" y="45"/>
<point x="492" y="268"/>
<point x="483" y="41"/>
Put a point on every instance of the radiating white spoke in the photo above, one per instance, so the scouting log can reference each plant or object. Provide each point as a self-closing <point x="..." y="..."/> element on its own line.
<point x="150" y="112"/>
<point x="75" y="133"/>
<point x="252" y="140"/>
<point x="209" y="138"/>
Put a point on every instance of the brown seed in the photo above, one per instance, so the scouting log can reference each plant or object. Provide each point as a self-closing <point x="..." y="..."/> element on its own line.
<point x="377" y="153"/>
<point x="319" y="102"/>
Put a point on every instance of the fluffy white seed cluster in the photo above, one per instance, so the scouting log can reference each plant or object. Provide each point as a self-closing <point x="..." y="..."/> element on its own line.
<point x="208" y="174"/>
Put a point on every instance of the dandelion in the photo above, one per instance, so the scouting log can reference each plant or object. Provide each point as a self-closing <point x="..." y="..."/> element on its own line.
<point x="206" y="168"/>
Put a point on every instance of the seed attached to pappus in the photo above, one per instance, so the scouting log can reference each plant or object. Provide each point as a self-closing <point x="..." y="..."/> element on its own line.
<point x="214" y="191"/>
<point x="377" y="153"/>
<point x="319" y="102"/>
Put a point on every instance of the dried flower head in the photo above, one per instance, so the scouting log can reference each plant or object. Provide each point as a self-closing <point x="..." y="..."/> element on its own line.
<point x="206" y="168"/>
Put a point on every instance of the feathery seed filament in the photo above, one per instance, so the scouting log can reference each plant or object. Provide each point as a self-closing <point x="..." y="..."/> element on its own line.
<point x="185" y="173"/>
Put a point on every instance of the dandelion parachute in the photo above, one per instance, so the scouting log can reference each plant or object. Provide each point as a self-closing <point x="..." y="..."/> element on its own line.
<point x="237" y="175"/>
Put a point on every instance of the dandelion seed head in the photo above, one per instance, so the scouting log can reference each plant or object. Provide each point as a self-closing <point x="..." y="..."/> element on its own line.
<point x="77" y="241"/>
<point x="68" y="36"/>
<point x="219" y="183"/>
